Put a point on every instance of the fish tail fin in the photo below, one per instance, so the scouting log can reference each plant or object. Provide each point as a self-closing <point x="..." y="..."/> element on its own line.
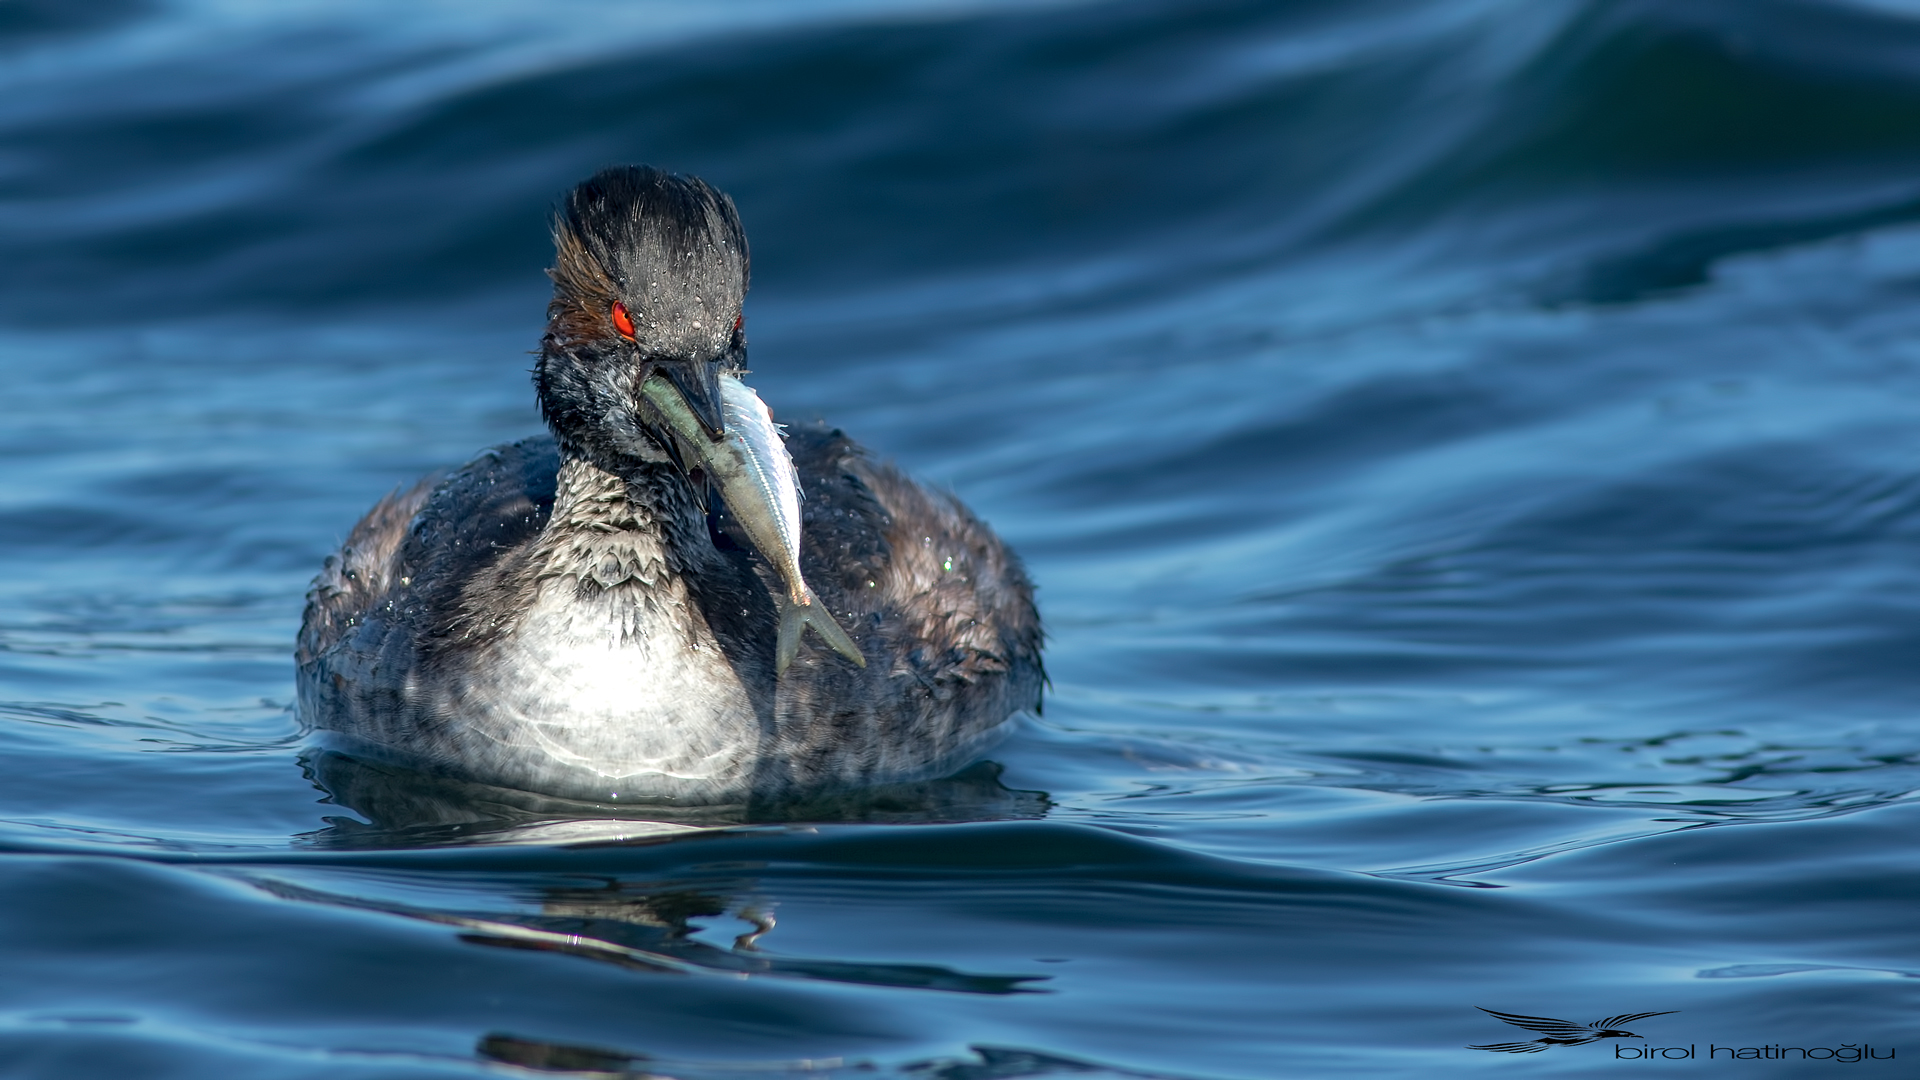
<point x="796" y="617"/>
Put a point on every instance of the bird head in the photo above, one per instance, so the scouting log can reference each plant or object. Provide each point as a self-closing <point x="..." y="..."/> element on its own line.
<point x="649" y="275"/>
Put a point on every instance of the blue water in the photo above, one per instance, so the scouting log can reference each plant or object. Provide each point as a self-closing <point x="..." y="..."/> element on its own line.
<point x="1467" y="449"/>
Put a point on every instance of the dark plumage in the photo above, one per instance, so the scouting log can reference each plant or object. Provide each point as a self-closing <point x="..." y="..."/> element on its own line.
<point x="563" y="615"/>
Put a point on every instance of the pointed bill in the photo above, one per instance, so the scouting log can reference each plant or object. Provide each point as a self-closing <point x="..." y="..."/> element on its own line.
<point x="750" y="465"/>
<point x="699" y="386"/>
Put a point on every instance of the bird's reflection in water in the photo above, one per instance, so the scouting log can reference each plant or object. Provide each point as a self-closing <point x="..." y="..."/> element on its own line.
<point x="981" y="1063"/>
<point x="641" y="925"/>
<point x="647" y="926"/>
<point x="405" y="808"/>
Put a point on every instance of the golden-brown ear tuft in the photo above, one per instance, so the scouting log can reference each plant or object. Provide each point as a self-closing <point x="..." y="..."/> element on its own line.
<point x="583" y="292"/>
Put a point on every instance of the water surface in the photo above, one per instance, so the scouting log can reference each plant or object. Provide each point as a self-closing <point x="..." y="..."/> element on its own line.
<point x="1466" y="449"/>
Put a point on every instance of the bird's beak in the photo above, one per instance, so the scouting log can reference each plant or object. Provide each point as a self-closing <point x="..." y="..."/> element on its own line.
<point x="689" y="432"/>
<point x="699" y="385"/>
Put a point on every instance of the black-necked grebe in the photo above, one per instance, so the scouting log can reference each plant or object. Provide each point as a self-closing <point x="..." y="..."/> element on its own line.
<point x="578" y="616"/>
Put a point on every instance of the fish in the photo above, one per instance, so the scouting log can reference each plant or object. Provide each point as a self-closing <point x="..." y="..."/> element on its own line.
<point x="755" y="475"/>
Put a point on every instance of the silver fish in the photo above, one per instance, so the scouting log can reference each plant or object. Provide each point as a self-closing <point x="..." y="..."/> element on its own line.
<point x="756" y="479"/>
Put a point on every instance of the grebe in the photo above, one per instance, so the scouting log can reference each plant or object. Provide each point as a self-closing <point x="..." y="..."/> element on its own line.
<point x="612" y="614"/>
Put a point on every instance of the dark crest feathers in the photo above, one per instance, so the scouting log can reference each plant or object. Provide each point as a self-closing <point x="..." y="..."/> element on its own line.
<point x="669" y="247"/>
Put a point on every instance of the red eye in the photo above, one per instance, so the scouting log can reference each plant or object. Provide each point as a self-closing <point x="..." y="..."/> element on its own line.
<point x="738" y="322"/>
<point x="621" y="322"/>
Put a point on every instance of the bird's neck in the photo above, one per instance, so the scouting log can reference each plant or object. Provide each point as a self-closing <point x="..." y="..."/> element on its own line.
<point x="610" y="530"/>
